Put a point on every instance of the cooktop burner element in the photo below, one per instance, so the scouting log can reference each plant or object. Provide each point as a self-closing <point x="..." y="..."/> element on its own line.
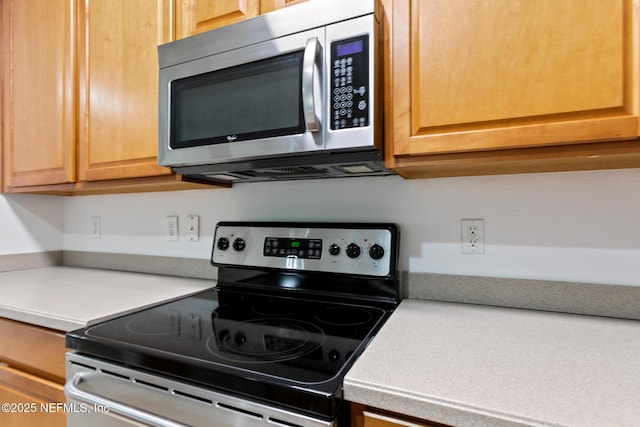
<point x="266" y="341"/>
<point x="274" y="307"/>
<point x="281" y="330"/>
<point x="343" y="316"/>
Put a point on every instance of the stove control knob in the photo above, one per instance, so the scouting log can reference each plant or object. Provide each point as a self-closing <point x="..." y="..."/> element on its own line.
<point x="223" y="243"/>
<point x="239" y="244"/>
<point x="376" y="251"/>
<point x="353" y="250"/>
<point x="334" y="249"/>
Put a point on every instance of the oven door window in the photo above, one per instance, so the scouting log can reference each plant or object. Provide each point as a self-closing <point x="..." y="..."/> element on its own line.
<point x="251" y="101"/>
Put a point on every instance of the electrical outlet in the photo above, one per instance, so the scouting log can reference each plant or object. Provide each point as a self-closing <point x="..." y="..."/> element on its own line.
<point x="193" y="228"/>
<point x="473" y="236"/>
<point x="96" y="230"/>
<point x="172" y="228"/>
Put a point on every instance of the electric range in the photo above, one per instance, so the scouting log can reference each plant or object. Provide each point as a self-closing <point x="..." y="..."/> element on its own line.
<point x="294" y="306"/>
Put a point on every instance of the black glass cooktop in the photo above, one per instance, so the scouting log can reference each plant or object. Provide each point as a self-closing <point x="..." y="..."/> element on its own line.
<point x="292" y="352"/>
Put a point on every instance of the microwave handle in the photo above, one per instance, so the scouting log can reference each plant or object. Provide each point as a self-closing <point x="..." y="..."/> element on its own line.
<point x="312" y="58"/>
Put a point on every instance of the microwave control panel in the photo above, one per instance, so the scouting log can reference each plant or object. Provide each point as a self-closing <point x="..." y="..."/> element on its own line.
<point x="350" y="83"/>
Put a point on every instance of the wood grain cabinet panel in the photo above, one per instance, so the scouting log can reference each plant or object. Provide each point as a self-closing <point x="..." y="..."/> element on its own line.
<point x="118" y="76"/>
<point x="363" y="416"/>
<point x="471" y="76"/>
<point x="33" y="401"/>
<point x="271" y="5"/>
<point x="32" y="372"/>
<point x="38" y="86"/>
<point x="196" y="16"/>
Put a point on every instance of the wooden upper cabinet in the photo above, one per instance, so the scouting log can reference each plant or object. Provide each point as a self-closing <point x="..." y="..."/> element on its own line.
<point x="197" y="16"/>
<point x="38" y="86"/>
<point x="476" y="75"/>
<point x="118" y="81"/>
<point x="271" y="5"/>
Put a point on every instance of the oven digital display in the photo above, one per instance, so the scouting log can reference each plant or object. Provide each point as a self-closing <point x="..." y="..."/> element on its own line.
<point x="294" y="248"/>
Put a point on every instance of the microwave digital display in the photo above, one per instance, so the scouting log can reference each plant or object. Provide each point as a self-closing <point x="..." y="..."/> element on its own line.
<point x="349" y="48"/>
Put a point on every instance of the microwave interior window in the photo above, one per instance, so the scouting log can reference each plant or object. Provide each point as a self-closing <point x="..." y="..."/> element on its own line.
<point x="256" y="100"/>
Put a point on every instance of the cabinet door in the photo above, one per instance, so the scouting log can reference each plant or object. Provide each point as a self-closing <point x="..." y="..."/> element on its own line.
<point x="363" y="416"/>
<point x="197" y="16"/>
<point x="118" y="80"/>
<point x="475" y="75"/>
<point x="271" y="5"/>
<point x="30" y="401"/>
<point x="38" y="102"/>
<point x="33" y="349"/>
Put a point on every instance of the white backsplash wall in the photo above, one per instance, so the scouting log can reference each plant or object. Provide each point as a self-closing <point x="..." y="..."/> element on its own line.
<point x="578" y="226"/>
<point x="30" y="223"/>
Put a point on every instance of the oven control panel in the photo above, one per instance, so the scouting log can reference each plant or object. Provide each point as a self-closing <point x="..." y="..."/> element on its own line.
<point x="363" y="249"/>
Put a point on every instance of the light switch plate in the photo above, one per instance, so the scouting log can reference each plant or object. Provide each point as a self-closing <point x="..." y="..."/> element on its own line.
<point x="172" y="228"/>
<point x="96" y="229"/>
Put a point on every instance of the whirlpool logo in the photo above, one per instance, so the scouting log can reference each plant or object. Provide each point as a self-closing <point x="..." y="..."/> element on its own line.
<point x="231" y="138"/>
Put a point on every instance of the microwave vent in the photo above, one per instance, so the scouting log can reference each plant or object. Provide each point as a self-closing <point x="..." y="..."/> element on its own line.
<point x="292" y="171"/>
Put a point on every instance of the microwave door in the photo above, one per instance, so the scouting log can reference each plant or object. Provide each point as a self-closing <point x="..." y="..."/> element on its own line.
<point x="253" y="102"/>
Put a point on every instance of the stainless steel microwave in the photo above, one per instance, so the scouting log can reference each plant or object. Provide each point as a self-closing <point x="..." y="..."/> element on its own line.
<point x="292" y="94"/>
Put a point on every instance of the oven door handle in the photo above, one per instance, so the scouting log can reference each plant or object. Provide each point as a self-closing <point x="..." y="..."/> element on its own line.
<point x="312" y="59"/>
<point x="72" y="390"/>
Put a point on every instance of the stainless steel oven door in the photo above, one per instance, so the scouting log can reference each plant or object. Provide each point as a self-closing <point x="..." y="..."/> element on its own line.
<point x="260" y="100"/>
<point x="101" y="394"/>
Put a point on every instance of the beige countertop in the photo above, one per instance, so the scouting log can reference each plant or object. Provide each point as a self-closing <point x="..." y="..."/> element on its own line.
<point x="473" y="365"/>
<point x="66" y="298"/>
